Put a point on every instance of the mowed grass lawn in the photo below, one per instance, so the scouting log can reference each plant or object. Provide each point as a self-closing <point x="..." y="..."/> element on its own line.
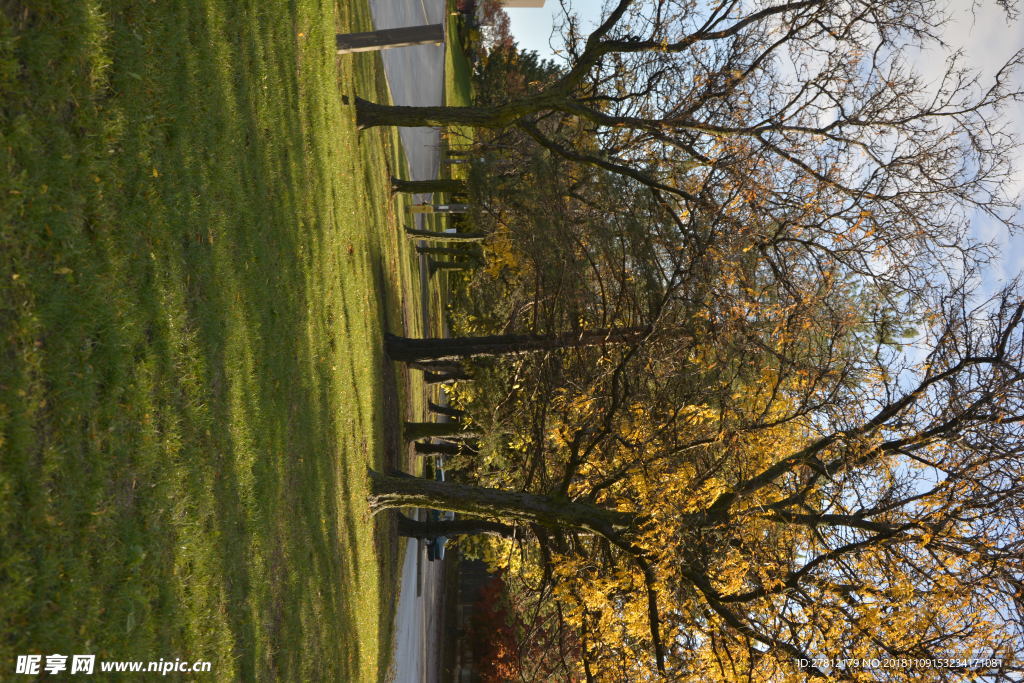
<point x="196" y="265"/>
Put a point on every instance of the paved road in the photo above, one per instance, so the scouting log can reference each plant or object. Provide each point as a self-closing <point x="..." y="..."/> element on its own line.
<point x="418" y="620"/>
<point x="416" y="77"/>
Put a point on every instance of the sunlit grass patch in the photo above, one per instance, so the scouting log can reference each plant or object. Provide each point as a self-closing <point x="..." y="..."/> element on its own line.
<point x="197" y="259"/>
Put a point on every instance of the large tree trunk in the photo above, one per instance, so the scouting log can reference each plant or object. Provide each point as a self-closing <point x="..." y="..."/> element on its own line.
<point x="370" y="114"/>
<point x="435" y="266"/>
<point x="451" y="185"/>
<point x="458" y="252"/>
<point x="439" y="430"/>
<point x="437" y="366"/>
<point x="445" y="236"/>
<point x="445" y="377"/>
<point x="456" y="348"/>
<point x="390" y="492"/>
<point x="445" y="410"/>
<point x="444" y="448"/>
<point x="412" y="528"/>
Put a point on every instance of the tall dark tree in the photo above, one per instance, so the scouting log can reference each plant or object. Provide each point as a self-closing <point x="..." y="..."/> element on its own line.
<point x="451" y="349"/>
<point x="451" y="185"/>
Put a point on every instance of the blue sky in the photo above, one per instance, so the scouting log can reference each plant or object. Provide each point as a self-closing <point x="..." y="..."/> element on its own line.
<point x="985" y="35"/>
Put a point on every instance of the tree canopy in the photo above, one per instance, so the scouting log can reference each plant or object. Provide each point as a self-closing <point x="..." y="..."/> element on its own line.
<point x="775" y="521"/>
<point x="745" y="407"/>
<point x="770" y="104"/>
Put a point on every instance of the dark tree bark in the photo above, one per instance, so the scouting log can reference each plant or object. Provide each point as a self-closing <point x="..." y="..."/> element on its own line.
<point x="371" y="114"/>
<point x="437" y="366"/>
<point x="411" y="528"/>
<point x="451" y="185"/>
<point x="446" y="377"/>
<point x="426" y="430"/>
<point x="452" y="265"/>
<point x="443" y="448"/>
<point x="390" y="492"/>
<point x="457" y="348"/>
<point x="448" y="251"/>
<point x="383" y="39"/>
<point x="445" y="410"/>
<point x="445" y="236"/>
<point x="552" y="512"/>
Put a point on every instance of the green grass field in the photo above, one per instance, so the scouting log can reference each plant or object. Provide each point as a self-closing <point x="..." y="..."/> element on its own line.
<point x="458" y="84"/>
<point x="197" y="260"/>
